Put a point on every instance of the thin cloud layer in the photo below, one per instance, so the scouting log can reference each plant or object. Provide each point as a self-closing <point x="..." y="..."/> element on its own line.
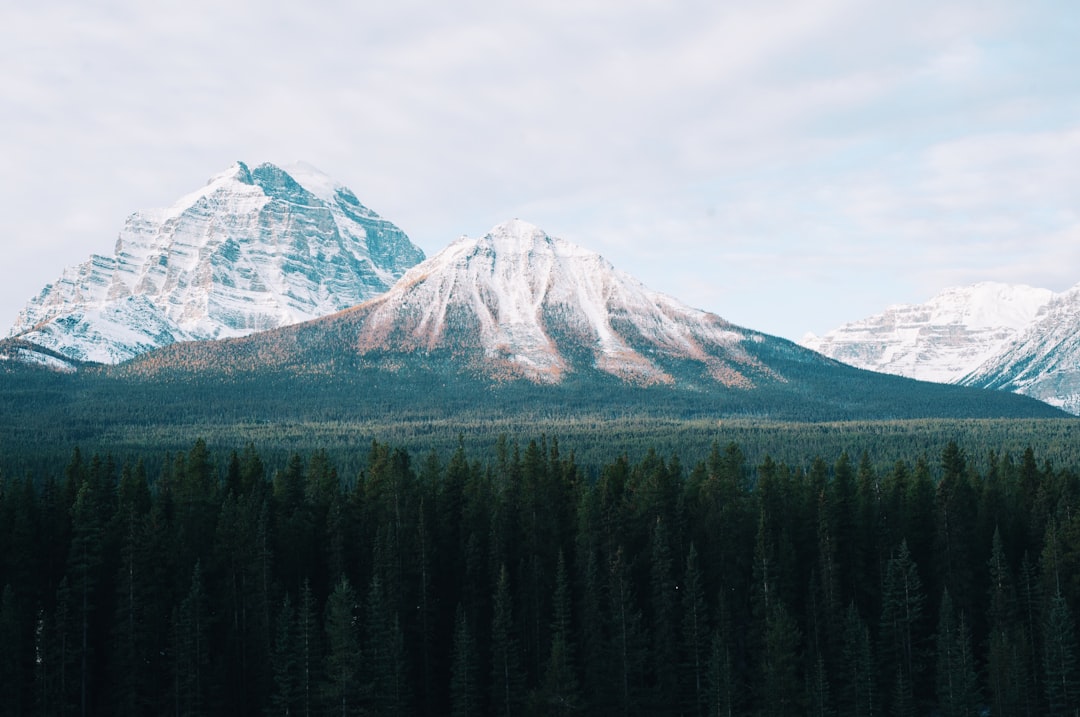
<point x="790" y="166"/>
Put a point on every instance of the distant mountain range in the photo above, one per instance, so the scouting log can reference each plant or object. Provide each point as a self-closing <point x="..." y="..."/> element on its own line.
<point x="273" y="292"/>
<point x="254" y="249"/>
<point x="989" y="335"/>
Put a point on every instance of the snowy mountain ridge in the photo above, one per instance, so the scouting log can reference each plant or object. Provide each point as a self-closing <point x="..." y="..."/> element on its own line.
<point x="523" y="299"/>
<point x="1043" y="361"/>
<point x="253" y="249"/>
<point x="941" y="340"/>
<point x="989" y="335"/>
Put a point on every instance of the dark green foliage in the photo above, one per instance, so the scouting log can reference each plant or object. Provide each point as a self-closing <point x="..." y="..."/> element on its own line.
<point x="516" y="580"/>
<point x="1059" y="659"/>
<point x="957" y="684"/>
<point x="464" y="670"/>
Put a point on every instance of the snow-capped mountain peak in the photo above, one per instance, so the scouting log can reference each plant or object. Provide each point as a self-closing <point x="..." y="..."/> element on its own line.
<point x="940" y="340"/>
<point x="522" y="298"/>
<point x="253" y="249"/>
<point x="1043" y="359"/>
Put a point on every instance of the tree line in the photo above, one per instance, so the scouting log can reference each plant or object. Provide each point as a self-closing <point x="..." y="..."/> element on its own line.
<point x="517" y="583"/>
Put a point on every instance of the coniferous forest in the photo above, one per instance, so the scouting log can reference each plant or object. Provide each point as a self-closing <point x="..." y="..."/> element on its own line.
<point x="515" y="582"/>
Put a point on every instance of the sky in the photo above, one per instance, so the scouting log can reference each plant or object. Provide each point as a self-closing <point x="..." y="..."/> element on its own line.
<point x="790" y="166"/>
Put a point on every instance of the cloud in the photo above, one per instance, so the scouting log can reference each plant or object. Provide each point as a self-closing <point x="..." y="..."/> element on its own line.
<point x="828" y="145"/>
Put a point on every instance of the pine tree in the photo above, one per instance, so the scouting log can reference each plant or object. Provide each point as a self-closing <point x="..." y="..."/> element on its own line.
<point x="818" y="694"/>
<point x="1006" y="668"/>
<point x="695" y="639"/>
<point x="560" y="679"/>
<point x="385" y="653"/>
<point x="307" y="639"/>
<point x="663" y="653"/>
<point x="857" y="681"/>
<point x="957" y="683"/>
<point x="464" y="685"/>
<point x="192" y="650"/>
<point x="285" y="698"/>
<point x="721" y="680"/>
<point x="343" y="656"/>
<point x="507" y="681"/>
<point x="901" y="627"/>
<point x="1061" y="686"/>
<point x="783" y="695"/>
<point x="85" y="560"/>
<point x="627" y="644"/>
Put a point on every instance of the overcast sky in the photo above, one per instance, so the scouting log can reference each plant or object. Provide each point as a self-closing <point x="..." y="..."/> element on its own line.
<point x="788" y="165"/>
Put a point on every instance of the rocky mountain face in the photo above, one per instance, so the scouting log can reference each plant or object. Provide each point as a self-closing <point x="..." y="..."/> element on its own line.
<point x="1043" y="361"/>
<point x="941" y="340"/>
<point x="254" y="249"/>
<point x="1001" y="336"/>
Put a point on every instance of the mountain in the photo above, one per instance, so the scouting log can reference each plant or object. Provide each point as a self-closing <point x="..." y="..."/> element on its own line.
<point x="254" y="249"/>
<point x="521" y="321"/>
<point x="942" y="340"/>
<point x="1043" y="361"/>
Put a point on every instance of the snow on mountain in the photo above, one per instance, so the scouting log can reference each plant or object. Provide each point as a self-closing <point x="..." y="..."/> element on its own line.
<point x="527" y="301"/>
<point x="252" y="250"/>
<point x="942" y="340"/>
<point x="1044" y="359"/>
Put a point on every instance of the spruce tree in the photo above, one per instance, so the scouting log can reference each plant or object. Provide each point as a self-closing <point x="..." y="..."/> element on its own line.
<point x="507" y="681"/>
<point x="343" y="656"/>
<point x="957" y="683"/>
<point x="1062" y="683"/>
<point x="695" y="639"/>
<point x="1006" y="668"/>
<point x="285" y="697"/>
<point x="626" y="642"/>
<point x="560" y="680"/>
<point x="901" y="628"/>
<point x="663" y="654"/>
<point x="857" y="695"/>
<point x="464" y="678"/>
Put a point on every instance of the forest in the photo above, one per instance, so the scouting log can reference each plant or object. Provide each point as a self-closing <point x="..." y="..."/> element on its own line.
<point x="513" y="580"/>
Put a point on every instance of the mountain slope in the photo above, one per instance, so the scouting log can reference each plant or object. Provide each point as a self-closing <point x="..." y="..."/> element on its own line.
<point x="941" y="340"/>
<point x="1044" y="360"/>
<point x="250" y="251"/>
<point x="520" y="321"/>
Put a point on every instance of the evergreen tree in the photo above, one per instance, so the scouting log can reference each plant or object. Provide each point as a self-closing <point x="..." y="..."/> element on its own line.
<point x="307" y="647"/>
<point x="1006" y="668"/>
<point x="560" y="680"/>
<point x="957" y="683"/>
<point x="384" y="653"/>
<point x="343" y="656"/>
<point x="627" y="644"/>
<point x="663" y="653"/>
<point x="818" y="694"/>
<point x="783" y="696"/>
<point x="857" y="675"/>
<point x="695" y="639"/>
<point x="507" y="681"/>
<point x="723" y="701"/>
<point x="85" y="560"/>
<point x="285" y="698"/>
<point x="1061" y="685"/>
<point x="464" y="678"/>
<point x="901" y="628"/>
<point x="191" y="648"/>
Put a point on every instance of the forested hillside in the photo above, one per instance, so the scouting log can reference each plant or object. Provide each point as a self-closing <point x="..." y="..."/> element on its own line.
<point x="510" y="581"/>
